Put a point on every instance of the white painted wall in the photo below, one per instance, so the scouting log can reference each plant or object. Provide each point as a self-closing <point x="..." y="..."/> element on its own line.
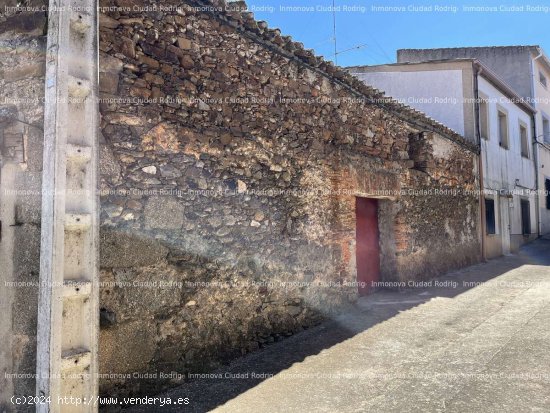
<point x="507" y="169"/>
<point x="437" y="93"/>
<point x="542" y="103"/>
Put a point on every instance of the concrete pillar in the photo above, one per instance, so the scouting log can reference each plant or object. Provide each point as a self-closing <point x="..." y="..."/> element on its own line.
<point x="68" y="315"/>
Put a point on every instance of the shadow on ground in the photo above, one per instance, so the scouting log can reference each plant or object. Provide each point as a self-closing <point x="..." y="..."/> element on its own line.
<point x="247" y="372"/>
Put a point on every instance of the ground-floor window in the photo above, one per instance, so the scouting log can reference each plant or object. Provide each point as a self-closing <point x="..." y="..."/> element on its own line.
<point x="525" y="217"/>
<point x="490" y="225"/>
<point x="547" y="187"/>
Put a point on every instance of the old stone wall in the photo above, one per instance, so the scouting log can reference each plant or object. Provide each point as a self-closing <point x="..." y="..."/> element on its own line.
<point x="231" y="160"/>
<point x="22" y="65"/>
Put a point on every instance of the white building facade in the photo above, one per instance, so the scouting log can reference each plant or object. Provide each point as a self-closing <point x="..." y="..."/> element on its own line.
<point x="527" y="70"/>
<point x="468" y="97"/>
<point x="541" y="101"/>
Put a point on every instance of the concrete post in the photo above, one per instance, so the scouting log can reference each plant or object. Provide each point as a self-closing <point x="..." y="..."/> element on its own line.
<point x="68" y="314"/>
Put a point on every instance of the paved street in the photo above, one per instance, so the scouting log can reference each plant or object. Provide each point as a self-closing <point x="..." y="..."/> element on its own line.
<point x="479" y="343"/>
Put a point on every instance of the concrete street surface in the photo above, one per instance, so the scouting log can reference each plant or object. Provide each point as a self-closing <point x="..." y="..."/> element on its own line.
<point x="479" y="341"/>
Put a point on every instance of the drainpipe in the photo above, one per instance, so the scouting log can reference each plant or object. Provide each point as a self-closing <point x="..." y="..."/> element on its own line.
<point x="477" y="71"/>
<point x="535" y="146"/>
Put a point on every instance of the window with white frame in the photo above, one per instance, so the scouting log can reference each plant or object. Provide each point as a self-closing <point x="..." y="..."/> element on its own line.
<point x="503" y="129"/>
<point x="524" y="139"/>
<point x="484" y="118"/>
<point x="490" y="216"/>
<point x="543" y="80"/>
<point x="525" y="216"/>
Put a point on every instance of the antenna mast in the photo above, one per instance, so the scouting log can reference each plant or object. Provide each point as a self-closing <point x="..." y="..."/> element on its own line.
<point x="334" y="31"/>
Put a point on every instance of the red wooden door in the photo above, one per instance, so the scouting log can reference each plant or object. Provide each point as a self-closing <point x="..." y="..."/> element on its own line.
<point x="367" y="243"/>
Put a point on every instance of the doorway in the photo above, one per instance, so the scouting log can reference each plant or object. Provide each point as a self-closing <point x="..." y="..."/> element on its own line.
<point x="525" y="217"/>
<point x="367" y="237"/>
<point x="504" y="204"/>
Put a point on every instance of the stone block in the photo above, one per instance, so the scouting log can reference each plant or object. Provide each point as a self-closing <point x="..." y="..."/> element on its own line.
<point x="25" y="304"/>
<point x="34" y="151"/>
<point x="148" y="61"/>
<point x="128" y="48"/>
<point x="30" y="24"/>
<point x="161" y="138"/>
<point x="127" y="347"/>
<point x="108" y="82"/>
<point x="163" y="213"/>
<point x="109" y="63"/>
<point x="121" y="249"/>
<point x="8" y="113"/>
<point x="187" y="62"/>
<point x="141" y="293"/>
<point x="108" y="22"/>
<point x="123" y="119"/>
<point x="26" y="255"/>
<point x="108" y="165"/>
<point x="24" y="72"/>
<point x="184" y="43"/>
<point x="170" y="172"/>
<point x="25" y="348"/>
<point x="29" y="198"/>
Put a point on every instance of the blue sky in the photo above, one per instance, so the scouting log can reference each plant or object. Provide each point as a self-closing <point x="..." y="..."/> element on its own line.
<point x="384" y="32"/>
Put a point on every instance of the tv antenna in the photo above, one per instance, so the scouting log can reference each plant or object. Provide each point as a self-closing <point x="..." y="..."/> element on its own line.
<point x="336" y="52"/>
<point x="334" y="31"/>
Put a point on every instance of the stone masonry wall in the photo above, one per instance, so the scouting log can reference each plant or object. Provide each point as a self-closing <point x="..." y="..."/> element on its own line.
<point x="231" y="159"/>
